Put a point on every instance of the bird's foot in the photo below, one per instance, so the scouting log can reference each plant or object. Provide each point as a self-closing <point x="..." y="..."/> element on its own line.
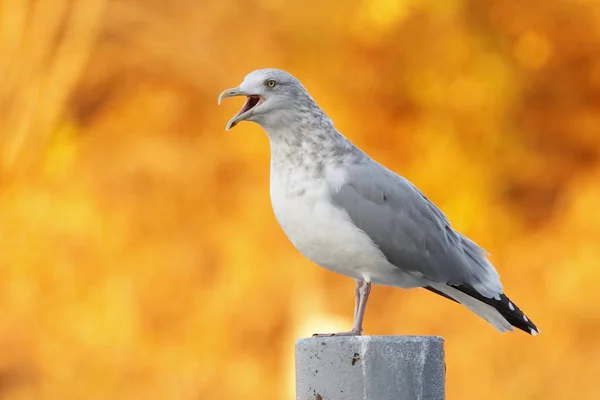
<point x="349" y="333"/>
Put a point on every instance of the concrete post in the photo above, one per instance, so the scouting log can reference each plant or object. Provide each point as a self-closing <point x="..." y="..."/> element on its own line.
<point x="370" y="368"/>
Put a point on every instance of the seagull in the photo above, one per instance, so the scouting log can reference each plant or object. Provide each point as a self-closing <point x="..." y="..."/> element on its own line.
<point x="349" y="214"/>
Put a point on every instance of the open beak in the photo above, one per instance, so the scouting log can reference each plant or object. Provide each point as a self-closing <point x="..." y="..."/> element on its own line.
<point x="247" y="109"/>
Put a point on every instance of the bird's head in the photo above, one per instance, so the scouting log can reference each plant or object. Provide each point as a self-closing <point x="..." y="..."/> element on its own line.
<point x="271" y="95"/>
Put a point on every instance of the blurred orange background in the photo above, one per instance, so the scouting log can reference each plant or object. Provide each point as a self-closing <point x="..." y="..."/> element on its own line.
<point x="139" y="253"/>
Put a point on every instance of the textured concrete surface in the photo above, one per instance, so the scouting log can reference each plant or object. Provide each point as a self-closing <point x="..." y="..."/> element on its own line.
<point x="370" y="368"/>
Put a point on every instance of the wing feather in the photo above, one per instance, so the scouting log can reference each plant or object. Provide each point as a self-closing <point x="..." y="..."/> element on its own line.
<point x="411" y="231"/>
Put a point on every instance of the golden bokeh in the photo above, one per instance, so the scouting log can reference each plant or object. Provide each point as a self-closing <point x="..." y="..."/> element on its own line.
<point x="139" y="254"/>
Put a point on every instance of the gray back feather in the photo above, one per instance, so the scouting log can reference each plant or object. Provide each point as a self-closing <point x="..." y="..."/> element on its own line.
<point x="411" y="231"/>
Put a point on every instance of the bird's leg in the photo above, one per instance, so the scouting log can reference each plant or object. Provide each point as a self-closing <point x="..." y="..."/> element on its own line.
<point x="364" y="291"/>
<point x="359" y="284"/>
<point x="361" y="294"/>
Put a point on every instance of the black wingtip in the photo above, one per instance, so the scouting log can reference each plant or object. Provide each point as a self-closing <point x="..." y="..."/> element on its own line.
<point x="507" y="308"/>
<point x="515" y="316"/>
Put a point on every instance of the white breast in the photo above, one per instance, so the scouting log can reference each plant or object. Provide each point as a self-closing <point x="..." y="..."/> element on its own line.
<point x="322" y="232"/>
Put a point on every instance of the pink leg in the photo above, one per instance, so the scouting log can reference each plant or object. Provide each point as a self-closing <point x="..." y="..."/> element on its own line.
<point x="356" y="298"/>
<point x="361" y="294"/>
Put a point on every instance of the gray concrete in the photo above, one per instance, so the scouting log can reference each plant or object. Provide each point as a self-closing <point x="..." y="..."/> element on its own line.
<point x="370" y="368"/>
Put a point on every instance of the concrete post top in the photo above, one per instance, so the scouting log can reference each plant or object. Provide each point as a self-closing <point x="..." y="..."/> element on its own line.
<point x="367" y="339"/>
<point x="370" y="368"/>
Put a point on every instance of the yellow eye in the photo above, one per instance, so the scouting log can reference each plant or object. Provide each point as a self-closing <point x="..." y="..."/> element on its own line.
<point x="271" y="83"/>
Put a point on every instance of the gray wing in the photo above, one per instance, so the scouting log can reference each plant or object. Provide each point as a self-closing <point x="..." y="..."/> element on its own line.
<point x="411" y="231"/>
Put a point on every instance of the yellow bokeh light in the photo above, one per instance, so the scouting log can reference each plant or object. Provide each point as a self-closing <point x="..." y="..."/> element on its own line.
<point x="532" y="50"/>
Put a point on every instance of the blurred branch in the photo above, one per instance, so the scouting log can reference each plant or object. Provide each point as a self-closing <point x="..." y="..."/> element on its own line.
<point x="46" y="46"/>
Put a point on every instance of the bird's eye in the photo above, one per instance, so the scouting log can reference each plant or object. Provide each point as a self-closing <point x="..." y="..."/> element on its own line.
<point x="271" y="83"/>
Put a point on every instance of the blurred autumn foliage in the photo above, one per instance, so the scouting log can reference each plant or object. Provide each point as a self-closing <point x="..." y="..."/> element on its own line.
<point x="140" y="258"/>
